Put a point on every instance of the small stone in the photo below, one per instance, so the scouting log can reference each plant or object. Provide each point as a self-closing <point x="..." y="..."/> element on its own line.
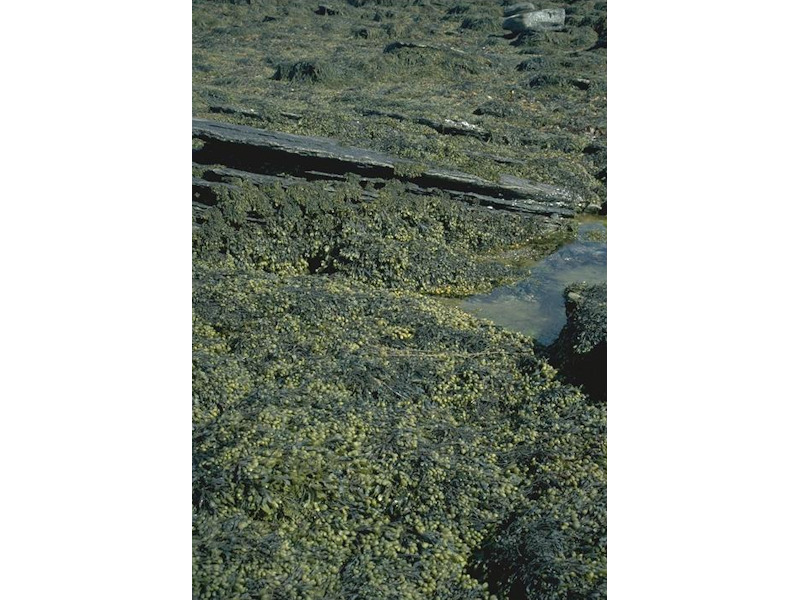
<point x="593" y="209"/>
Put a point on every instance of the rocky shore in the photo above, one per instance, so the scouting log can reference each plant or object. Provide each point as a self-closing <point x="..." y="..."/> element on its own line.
<point x="354" y="436"/>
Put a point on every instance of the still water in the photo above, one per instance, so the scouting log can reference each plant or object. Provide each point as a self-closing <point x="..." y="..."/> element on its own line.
<point x="535" y="306"/>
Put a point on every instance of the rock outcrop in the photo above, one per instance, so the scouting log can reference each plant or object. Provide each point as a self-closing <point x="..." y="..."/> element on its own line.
<point x="260" y="152"/>
<point x="580" y="352"/>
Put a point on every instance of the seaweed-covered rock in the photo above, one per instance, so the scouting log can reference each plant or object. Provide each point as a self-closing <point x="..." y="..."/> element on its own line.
<point x="580" y="350"/>
<point x="301" y="71"/>
<point x="396" y="239"/>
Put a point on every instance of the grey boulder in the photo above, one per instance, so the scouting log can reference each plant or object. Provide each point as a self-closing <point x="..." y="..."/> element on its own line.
<point x="547" y="19"/>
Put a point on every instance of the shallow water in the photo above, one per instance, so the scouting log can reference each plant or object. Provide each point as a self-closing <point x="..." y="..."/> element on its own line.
<point x="535" y="306"/>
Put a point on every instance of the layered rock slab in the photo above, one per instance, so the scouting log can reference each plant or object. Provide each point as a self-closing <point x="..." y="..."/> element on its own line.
<point x="264" y="152"/>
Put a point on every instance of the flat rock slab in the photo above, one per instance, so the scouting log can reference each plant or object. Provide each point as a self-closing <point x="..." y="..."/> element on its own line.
<point x="262" y="145"/>
<point x="264" y="152"/>
<point x="547" y="19"/>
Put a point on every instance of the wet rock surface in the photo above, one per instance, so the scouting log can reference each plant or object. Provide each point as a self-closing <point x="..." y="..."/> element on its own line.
<point x="579" y="352"/>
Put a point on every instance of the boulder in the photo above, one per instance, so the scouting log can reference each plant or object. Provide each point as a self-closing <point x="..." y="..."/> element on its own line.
<point x="548" y="19"/>
<point x="579" y="352"/>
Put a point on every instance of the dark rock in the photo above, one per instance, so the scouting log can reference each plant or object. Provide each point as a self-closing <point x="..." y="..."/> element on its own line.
<point x="580" y="83"/>
<point x="267" y="19"/>
<point x="579" y="352"/>
<point x="518" y="9"/>
<point x="250" y="149"/>
<point x="203" y="194"/>
<point x="300" y="71"/>
<point x="326" y="10"/>
<point x="548" y="19"/>
<point x="595" y="148"/>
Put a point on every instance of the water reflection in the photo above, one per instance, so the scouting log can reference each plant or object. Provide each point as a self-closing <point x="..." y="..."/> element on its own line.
<point x="535" y="306"/>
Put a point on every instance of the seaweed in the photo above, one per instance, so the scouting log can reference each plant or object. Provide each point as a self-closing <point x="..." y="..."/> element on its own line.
<point x="351" y="441"/>
<point x="354" y="435"/>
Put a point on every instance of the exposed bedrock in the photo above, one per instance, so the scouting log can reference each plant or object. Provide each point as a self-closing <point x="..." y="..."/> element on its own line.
<point x="260" y="152"/>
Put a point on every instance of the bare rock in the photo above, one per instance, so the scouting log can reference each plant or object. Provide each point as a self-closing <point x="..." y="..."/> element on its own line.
<point x="548" y="19"/>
